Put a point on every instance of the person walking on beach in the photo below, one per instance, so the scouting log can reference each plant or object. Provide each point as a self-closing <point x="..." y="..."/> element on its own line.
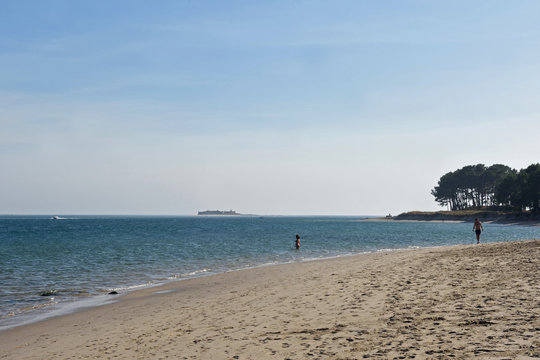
<point x="297" y="244"/>
<point x="477" y="227"/>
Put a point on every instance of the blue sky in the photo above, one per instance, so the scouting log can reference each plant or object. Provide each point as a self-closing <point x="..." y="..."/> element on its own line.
<point x="274" y="107"/>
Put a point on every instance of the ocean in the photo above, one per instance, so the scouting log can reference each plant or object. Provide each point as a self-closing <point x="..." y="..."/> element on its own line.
<point x="50" y="267"/>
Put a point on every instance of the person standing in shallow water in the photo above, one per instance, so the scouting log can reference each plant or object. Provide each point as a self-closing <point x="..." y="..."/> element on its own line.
<point x="297" y="244"/>
<point x="477" y="228"/>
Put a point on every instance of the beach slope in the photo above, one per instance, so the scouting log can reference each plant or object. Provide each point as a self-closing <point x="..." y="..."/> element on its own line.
<point x="475" y="301"/>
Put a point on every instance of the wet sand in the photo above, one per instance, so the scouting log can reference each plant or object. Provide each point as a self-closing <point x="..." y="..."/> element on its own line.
<point x="474" y="301"/>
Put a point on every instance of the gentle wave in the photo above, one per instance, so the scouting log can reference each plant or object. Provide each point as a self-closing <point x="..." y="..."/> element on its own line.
<point x="189" y="274"/>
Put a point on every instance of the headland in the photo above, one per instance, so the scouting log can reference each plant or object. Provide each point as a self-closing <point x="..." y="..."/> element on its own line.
<point x="496" y="216"/>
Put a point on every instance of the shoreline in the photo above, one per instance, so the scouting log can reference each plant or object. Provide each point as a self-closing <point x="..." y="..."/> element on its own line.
<point x="380" y="304"/>
<point x="487" y="216"/>
<point x="95" y="301"/>
<point x="449" y="221"/>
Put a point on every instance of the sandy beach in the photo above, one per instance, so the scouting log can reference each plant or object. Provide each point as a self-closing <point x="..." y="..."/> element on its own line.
<point x="474" y="301"/>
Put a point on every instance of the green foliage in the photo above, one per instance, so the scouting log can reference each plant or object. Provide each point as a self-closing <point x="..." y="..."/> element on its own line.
<point x="478" y="186"/>
<point x="529" y="188"/>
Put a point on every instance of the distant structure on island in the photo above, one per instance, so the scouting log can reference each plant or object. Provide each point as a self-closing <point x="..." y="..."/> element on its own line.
<point x="218" y="212"/>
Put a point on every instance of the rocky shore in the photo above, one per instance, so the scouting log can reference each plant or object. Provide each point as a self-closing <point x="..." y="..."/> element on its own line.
<point x="470" y="215"/>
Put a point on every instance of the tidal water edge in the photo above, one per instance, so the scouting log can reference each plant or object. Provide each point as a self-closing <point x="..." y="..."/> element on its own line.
<point x="52" y="266"/>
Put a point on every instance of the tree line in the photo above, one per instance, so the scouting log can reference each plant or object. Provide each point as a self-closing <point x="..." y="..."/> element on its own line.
<point x="496" y="186"/>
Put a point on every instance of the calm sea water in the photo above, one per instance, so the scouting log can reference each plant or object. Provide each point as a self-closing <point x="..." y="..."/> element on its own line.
<point x="52" y="266"/>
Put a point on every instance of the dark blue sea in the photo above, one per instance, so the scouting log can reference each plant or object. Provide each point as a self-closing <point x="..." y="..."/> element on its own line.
<point x="49" y="267"/>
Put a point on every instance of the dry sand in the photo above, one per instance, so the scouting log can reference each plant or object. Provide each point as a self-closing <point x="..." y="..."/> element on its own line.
<point x="476" y="301"/>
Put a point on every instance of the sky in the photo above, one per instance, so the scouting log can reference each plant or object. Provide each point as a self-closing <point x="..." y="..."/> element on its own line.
<point x="283" y="107"/>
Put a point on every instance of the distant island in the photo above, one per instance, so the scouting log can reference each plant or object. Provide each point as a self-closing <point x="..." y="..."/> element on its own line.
<point x="218" y="212"/>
